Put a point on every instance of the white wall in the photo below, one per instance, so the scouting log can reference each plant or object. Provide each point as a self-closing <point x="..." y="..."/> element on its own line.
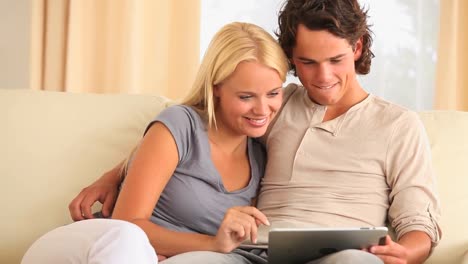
<point x="15" y="17"/>
<point x="405" y="43"/>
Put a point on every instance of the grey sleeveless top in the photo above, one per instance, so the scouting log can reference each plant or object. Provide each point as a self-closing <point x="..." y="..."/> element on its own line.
<point x="194" y="199"/>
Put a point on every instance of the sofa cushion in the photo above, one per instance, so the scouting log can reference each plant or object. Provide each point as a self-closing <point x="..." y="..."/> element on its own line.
<point x="52" y="145"/>
<point x="448" y="137"/>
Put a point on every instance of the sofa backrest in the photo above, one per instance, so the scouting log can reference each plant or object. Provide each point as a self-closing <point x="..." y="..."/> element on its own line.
<point x="52" y="144"/>
<point x="448" y="137"/>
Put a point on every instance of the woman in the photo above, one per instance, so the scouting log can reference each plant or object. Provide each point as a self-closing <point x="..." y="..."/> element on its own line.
<point x="196" y="162"/>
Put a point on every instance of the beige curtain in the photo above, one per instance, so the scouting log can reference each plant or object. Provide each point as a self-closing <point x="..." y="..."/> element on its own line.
<point x="106" y="46"/>
<point x="452" y="68"/>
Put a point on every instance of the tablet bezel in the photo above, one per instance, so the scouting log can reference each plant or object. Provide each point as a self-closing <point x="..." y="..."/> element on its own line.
<point x="300" y="245"/>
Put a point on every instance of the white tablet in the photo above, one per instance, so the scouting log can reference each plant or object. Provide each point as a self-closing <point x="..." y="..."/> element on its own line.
<point x="300" y="245"/>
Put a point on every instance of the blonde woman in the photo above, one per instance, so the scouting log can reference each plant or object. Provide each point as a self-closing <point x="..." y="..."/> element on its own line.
<point x="191" y="181"/>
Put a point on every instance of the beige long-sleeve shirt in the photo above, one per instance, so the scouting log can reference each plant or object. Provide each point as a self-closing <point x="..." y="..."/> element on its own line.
<point x="367" y="166"/>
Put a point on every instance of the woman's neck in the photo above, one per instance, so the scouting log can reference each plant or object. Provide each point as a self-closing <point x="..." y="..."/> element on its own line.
<point x="228" y="143"/>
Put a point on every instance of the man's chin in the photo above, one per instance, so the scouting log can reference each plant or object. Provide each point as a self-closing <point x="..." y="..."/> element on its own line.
<point x="322" y="98"/>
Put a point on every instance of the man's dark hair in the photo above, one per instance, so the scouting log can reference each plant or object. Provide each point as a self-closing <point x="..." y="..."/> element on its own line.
<point x="343" y="18"/>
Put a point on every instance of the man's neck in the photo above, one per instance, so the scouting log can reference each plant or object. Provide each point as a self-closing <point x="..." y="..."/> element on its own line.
<point x="354" y="97"/>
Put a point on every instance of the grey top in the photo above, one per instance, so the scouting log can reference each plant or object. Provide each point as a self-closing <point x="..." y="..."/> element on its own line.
<point x="194" y="199"/>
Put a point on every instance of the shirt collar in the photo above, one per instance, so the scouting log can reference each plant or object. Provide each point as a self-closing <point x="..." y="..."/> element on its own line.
<point x="332" y="126"/>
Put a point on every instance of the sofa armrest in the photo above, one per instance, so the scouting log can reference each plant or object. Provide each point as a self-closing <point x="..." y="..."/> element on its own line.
<point x="465" y="258"/>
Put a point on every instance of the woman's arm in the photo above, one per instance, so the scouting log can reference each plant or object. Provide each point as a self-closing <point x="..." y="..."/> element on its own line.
<point x="152" y="167"/>
<point x="239" y="224"/>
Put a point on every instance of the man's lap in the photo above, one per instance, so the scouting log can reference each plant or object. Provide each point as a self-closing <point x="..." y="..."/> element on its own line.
<point x="348" y="257"/>
<point x="244" y="257"/>
<point x="206" y="257"/>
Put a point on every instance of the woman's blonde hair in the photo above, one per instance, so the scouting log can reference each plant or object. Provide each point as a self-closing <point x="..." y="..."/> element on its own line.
<point x="234" y="43"/>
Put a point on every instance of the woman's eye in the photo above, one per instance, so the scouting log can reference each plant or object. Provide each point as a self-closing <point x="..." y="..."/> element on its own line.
<point x="273" y="94"/>
<point x="245" y="97"/>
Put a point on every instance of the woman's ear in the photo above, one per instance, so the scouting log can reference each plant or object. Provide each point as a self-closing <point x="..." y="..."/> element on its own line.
<point x="357" y="49"/>
<point x="216" y="89"/>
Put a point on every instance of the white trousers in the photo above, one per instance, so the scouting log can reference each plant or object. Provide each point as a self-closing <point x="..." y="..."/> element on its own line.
<point x="95" y="241"/>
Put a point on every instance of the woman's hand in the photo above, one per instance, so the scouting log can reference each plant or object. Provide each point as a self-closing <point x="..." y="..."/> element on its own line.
<point x="104" y="190"/>
<point x="239" y="224"/>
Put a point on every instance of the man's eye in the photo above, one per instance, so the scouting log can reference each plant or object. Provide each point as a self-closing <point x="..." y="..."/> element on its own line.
<point x="245" y="97"/>
<point x="335" y="61"/>
<point x="273" y="94"/>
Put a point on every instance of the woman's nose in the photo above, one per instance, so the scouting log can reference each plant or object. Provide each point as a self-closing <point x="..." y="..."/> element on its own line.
<point x="261" y="107"/>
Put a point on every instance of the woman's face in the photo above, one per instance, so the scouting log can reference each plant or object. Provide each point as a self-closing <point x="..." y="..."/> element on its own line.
<point x="248" y="100"/>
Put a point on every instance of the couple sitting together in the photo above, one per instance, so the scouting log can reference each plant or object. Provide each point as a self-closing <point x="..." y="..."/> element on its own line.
<point x="242" y="151"/>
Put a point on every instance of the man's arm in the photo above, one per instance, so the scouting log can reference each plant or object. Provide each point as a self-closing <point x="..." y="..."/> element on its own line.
<point x="414" y="206"/>
<point x="413" y="248"/>
<point x="104" y="190"/>
<point x="418" y="246"/>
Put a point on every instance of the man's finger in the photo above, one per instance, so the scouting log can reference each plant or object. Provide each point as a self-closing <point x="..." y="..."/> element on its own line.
<point x="75" y="209"/>
<point x="389" y="259"/>
<point x="86" y="209"/>
<point x="108" y="205"/>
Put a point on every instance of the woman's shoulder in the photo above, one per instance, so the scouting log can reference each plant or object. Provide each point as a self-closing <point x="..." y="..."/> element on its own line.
<point x="179" y="110"/>
<point x="185" y="125"/>
<point x="180" y="114"/>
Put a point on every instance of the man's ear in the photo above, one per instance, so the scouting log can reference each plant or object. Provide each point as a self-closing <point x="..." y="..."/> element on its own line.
<point x="358" y="49"/>
<point x="292" y="67"/>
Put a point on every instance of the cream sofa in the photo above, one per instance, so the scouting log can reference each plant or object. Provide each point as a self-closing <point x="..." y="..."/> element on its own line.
<point x="53" y="144"/>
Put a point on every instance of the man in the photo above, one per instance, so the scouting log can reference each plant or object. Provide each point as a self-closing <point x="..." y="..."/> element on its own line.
<point x="338" y="156"/>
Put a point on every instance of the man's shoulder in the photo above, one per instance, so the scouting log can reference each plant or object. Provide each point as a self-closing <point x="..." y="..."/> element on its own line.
<point x="393" y="112"/>
<point x="385" y="105"/>
<point x="379" y="101"/>
<point x="293" y="93"/>
<point x="292" y="88"/>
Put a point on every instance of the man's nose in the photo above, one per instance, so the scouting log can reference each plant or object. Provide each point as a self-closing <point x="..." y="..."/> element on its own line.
<point x="323" y="73"/>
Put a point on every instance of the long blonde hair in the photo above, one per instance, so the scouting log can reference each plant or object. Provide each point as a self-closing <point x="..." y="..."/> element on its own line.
<point x="234" y="43"/>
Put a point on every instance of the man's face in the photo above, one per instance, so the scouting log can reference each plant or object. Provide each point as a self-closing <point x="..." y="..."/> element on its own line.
<point x="325" y="66"/>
